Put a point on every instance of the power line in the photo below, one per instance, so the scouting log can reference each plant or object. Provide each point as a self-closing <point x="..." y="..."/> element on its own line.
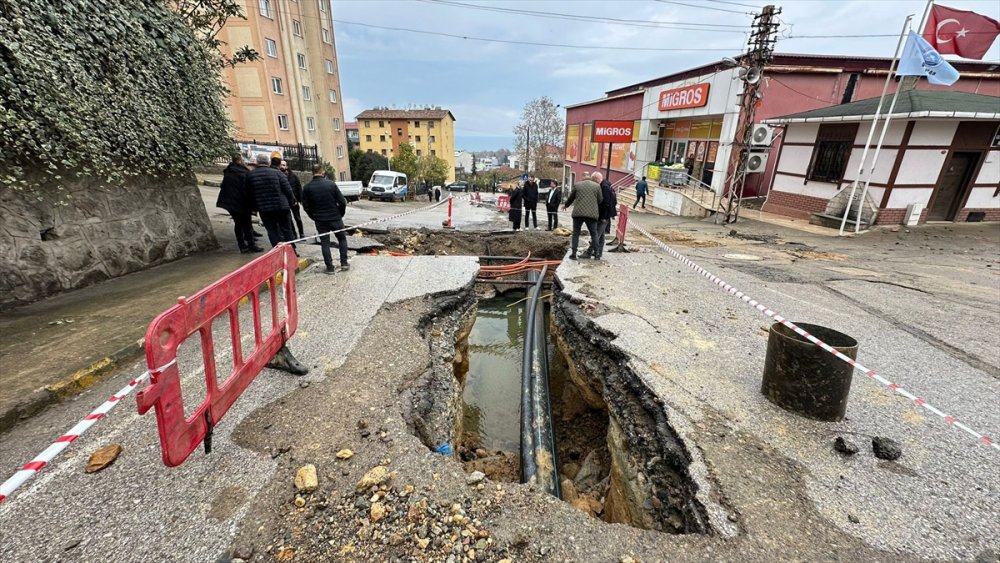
<point x="597" y="19"/>
<point x="533" y="43"/>
<point x="702" y="7"/>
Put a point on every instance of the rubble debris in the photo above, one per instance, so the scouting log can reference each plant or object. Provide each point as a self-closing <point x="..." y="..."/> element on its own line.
<point x="845" y="447"/>
<point x="103" y="457"/>
<point x="886" y="448"/>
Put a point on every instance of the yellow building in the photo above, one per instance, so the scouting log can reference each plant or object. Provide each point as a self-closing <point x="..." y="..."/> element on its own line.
<point x="291" y="95"/>
<point x="430" y="131"/>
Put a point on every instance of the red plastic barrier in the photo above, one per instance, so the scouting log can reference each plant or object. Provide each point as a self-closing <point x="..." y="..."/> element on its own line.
<point x="503" y="203"/>
<point x="622" y="223"/>
<point x="179" y="436"/>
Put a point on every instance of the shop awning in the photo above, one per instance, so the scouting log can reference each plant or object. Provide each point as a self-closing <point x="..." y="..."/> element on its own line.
<point x="912" y="104"/>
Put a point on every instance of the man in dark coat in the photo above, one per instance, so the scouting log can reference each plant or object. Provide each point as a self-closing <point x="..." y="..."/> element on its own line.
<point x="233" y="198"/>
<point x="273" y="197"/>
<point x="586" y="200"/>
<point x="325" y="205"/>
<point x="552" y="201"/>
<point x="531" y="201"/>
<point x="608" y="211"/>
<point x="516" y="202"/>
<point x="641" y="188"/>
<point x="296" y="185"/>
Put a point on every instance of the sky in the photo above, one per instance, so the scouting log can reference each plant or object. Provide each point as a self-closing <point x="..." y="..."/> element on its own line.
<point x="486" y="84"/>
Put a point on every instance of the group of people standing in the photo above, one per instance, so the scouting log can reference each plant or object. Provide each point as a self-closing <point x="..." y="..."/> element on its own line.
<point x="270" y="189"/>
<point x="524" y="200"/>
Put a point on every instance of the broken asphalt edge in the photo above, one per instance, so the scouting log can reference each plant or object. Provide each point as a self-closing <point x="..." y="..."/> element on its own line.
<point x="80" y="380"/>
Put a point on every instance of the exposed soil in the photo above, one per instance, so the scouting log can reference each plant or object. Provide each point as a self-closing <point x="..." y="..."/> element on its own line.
<point x="540" y="244"/>
<point x="671" y="236"/>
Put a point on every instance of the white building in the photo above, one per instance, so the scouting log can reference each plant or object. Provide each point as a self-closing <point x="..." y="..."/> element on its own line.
<point x="463" y="161"/>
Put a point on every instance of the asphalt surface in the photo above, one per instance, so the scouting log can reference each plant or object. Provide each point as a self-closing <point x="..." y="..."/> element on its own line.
<point x="140" y="510"/>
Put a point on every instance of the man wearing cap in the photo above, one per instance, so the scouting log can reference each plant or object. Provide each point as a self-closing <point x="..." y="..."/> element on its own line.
<point x="586" y="200"/>
<point x="272" y="198"/>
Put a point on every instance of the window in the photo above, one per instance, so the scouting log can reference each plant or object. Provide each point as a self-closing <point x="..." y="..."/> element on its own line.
<point x="333" y="96"/>
<point x="431" y="139"/>
<point x="416" y="124"/>
<point x="418" y="138"/>
<point x="381" y="138"/>
<point x="311" y="123"/>
<point x="368" y="138"/>
<point x="302" y="60"/>
<point x="399" y="130"/>
<point x="326" y="35"/>
<point x="297" y="28"/>
<point x="367" y="124"/>
<point x="329" y="66"/>
<point x="282" y="122"/>
<point x="419" y="152"/>
<point x="383" y="152"/>
<point x="433" y="152"/>
<point x="430" y="124"/>
<point x="265" y="8"/>
<point x="832" y="150"/>
<point x="340" y="151"/>
<point x="276" y="86"/>
<point x="306" y="93"/>
<point x="336" y="124"/>
<point x="271" y="47"/>
<point x="369" y="150"/>
<point x="381" y="124"/>
<point x="322" y="5"/>
<point x="343" y="176"/>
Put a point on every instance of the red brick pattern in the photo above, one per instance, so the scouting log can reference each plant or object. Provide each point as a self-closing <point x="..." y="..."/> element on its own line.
<point x="991" y="214"/>
<point x="795" y="205"/>
<point x="895" y="216"/>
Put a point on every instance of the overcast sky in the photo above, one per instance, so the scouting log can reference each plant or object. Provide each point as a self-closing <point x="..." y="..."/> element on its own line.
<point x="485" y="84"/>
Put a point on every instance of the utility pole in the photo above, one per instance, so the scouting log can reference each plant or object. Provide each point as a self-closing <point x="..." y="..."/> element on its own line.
<point x="762" y="39"/>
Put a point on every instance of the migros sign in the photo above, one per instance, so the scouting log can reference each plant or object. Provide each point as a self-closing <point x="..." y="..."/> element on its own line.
<point x="613" y="131"/>
<point x="694" y="96"/>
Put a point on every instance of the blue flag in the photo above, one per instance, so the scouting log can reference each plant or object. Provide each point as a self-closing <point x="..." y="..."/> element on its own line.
<point x="920" y="59"/>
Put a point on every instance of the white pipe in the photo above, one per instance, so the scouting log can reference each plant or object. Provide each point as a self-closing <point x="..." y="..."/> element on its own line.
<point x="923" y="20"/>
<point x="871" y="131"/>
<point x="871" y="171"/>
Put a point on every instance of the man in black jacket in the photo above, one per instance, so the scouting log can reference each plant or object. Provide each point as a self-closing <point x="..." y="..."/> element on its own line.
<point x="552" y="202"/>
<point x="608" y="211"/>
<point x="516" y="201"/>
<point x="530" y="201"/>
<point x="325" y="205"/>
<point x="296" y="185"/>
<point x="272" y="197"/>
<point x="233" y="198"/>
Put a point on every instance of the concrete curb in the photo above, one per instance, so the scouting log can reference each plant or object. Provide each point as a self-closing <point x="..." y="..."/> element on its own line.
<point x="80" y="380"/>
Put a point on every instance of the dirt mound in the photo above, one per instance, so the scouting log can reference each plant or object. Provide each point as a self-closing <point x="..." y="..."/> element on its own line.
<point x="678" y="238"/>
<point x="539" y="244"/>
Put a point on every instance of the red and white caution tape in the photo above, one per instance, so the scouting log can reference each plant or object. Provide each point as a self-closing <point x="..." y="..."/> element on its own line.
<point x="373" y="221"/>
<point x="778" y="318"/>
<point x="41" y="460"/>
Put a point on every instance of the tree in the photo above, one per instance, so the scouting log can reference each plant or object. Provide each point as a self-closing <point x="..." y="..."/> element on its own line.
<point x="405" y="161"/>
<point x="434" y="169"/>
<point x="473" y="165"/>
<point x="540" y="126"/>
<point x="368" y="163"/>
<point x="354" y="160"/>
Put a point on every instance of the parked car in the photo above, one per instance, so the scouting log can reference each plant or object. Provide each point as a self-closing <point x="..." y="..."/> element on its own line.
<point x="351" y="190"/>
<point x="387" y="185"/>
<point x="458" y="187"/>
<point x="544" y="185"/>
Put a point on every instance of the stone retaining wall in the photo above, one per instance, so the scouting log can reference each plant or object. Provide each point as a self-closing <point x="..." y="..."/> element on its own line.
<point x="54" y="239"/>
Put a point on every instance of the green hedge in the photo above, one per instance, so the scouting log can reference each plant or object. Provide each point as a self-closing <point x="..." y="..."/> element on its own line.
<point x="104" y="89"/>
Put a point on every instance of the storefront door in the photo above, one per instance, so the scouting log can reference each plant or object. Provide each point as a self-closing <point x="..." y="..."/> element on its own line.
<point x="678" y="152"/>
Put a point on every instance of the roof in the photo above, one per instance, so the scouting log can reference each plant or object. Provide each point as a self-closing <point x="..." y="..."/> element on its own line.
<point x="351" y="125"/>
<point x="800" y="62"/>
<point x="911" y="104"/>
<point x="604" y="99"/>
<point x="386" y="113"/>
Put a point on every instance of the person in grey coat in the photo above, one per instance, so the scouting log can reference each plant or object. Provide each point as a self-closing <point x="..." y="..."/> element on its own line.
<point x="586" y="201"/>
<point x="323" y="202"/>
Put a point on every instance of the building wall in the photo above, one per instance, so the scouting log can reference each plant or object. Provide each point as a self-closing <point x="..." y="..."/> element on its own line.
<point x="417" y="132"/>
<point x="624" y="108"/>
<point x="908" y="171"/>
<point x="253" y="105"/>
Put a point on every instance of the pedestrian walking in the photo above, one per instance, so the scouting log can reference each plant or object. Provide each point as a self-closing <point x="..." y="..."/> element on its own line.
<point x="586" y="201"/>
<point x="296" y="185"/>
<point x="552" y="201"/>
<point x="272" y="197"/>
<point x="531" y="201"/>
<point x="640" y="192"/>
<point x="608" y="210"/>
<point x="233" y="197"/>
<point x="516" y="201"/>
<point x="326" y="206"/>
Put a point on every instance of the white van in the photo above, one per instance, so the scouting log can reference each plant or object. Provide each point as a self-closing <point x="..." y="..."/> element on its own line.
<point x="386" y="184"/>
<point x="351" y="190"/>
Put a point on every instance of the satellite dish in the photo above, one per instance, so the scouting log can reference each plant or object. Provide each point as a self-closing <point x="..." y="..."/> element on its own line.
<point x="752" y="76"/>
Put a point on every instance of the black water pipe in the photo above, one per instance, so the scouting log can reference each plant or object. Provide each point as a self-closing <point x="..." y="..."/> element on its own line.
<point x="528" y="467"/>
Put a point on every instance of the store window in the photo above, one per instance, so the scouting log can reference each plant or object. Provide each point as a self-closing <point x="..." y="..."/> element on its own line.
<point x="833" y="148"/>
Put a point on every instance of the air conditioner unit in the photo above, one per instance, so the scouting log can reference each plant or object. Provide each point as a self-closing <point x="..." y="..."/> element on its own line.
<point x="762" y="135"/>
<point x="756" y="162"/>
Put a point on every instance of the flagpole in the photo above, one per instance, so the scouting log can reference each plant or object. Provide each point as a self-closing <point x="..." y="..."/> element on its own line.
<point x="878" y="149"/>
<point x="923" y="20"/>
<point x="871" y="131"/>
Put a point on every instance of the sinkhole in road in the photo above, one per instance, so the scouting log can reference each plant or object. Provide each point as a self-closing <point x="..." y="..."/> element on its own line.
<point x="618" y="459"/>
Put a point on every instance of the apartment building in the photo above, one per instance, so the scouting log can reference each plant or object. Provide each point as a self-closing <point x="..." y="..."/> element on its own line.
<point x="291" y="95"/>
<point x="430" y="131"/>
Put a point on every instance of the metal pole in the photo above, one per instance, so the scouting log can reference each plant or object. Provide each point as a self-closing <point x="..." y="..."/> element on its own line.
<point x="923" y="20"/>
<point x="871" y="131"/>
<point x="607" y="172"/>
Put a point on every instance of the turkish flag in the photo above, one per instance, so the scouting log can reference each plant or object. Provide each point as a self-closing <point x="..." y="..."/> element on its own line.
<point x="959" y="32"/>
